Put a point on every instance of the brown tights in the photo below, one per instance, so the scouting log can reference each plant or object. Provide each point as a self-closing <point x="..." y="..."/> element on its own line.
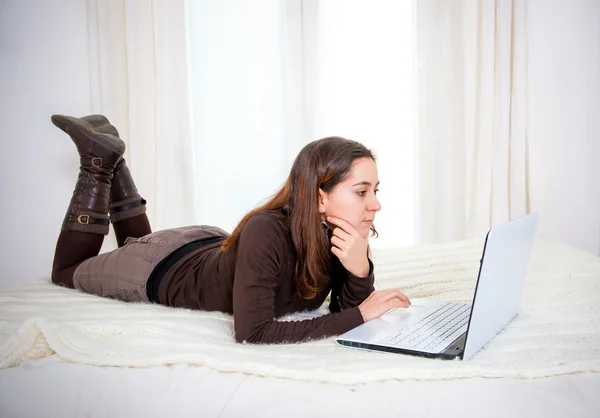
<point x="74" y="247"/>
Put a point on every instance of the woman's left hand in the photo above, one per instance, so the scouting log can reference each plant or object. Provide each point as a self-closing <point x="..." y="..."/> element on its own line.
<point x="350" y="247"/>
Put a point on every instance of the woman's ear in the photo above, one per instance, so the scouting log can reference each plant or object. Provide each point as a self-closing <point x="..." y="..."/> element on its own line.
<point x="322" y="201"/>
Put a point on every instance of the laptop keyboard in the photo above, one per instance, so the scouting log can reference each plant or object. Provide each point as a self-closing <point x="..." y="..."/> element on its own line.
<point x="433" y="332"/>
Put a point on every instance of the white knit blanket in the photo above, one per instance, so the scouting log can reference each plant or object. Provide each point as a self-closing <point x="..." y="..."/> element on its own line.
<point x="556" y="332"/>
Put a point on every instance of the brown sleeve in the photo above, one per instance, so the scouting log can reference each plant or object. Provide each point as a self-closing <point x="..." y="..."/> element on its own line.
<point x="349" y="291"/>
<point x="262" y="248"/>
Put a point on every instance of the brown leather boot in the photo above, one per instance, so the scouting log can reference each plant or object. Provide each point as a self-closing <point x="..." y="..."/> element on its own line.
<point x="125" y="200"/>
<point x="99" y="154"/>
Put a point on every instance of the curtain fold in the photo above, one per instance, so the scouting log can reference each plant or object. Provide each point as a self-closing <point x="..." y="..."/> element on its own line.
<point x="140" y="80"/>
<point x="472" y="123"/>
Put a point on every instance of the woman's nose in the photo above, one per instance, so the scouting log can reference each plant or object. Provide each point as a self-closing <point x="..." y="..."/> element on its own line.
<point x="374" y="204"/>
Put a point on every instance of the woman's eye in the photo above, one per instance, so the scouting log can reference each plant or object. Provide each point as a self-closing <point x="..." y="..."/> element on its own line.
<point x="361" y="193"/>
<point x="376" y="191"/>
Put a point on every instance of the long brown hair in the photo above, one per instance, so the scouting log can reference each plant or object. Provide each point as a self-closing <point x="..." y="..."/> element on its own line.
<point x="321" y="164"/>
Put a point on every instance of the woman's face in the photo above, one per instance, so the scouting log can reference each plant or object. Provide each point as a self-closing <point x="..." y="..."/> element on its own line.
<point x="354" y="199"/>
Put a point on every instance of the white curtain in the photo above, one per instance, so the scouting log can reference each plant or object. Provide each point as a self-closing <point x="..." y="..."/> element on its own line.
<point x="270" y="76"/>
<point x="140" y="81"/>
<point x="472" y="131"/>
<point x="365" y="91"/>
<point x="247" y="95"/>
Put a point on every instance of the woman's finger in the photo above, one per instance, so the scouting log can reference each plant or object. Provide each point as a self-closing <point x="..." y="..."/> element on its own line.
<point x="345" y="226"/>
<point x="340" y="233"/>
<point x="395" y="303"/>
<point x="338" y="243"/>
<point x="337" y="252"/>
<point x="399" y="295"/>
<point x="403" y="297"/>
<point x="395" y="293"/>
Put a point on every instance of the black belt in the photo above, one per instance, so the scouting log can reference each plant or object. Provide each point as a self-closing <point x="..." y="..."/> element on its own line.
<point x="166" y="263"/>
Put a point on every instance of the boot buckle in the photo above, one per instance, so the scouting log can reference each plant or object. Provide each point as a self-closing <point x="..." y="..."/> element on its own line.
<point x="97" y="162"/>
<point x="83" y="219"/>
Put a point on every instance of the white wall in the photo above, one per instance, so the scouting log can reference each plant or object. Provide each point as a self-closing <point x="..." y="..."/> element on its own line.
<point x="564" y="119"/>
<point x="43" y="70"/>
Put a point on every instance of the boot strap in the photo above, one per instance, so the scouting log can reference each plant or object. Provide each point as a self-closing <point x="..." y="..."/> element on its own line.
<point x="88" y="220"/>
<point x="128" y="206"/>
<point x="89" y="162"/>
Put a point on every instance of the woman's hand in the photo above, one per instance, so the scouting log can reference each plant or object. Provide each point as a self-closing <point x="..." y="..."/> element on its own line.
<point x="381" y="301"/>
<point x="350" y="247"/>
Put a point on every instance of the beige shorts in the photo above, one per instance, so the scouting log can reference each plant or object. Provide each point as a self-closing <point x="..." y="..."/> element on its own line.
<point x="122" y="273"/>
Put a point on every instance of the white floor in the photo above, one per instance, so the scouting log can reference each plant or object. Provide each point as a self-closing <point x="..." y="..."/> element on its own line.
<point x="52" y="388"/>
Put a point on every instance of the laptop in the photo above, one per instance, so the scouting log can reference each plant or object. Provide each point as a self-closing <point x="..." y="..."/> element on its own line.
<point x="451" y="330"/>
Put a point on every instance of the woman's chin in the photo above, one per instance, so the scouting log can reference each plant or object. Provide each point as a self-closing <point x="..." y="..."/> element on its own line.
<point x="365" y="231"/>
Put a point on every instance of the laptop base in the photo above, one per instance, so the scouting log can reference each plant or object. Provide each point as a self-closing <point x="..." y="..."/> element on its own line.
<point x="453" y="352"/>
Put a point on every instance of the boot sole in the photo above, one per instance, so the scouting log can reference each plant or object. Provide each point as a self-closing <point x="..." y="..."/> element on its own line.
<point x="73" y="126"/>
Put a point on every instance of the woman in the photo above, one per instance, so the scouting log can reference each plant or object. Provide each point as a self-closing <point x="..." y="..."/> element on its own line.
<point x="309" y="239"/>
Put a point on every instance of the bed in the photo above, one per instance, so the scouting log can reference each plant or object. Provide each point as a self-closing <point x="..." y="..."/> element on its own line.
<point x="64" y="353"/>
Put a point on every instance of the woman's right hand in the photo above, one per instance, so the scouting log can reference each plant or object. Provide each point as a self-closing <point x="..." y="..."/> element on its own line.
<point x="381" y="301"/>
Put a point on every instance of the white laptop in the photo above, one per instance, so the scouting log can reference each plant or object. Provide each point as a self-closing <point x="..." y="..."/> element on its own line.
<point x="451" y="330"/>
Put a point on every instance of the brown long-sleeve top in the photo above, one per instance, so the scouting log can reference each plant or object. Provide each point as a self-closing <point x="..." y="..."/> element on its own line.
<point x="255" y="282"/>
